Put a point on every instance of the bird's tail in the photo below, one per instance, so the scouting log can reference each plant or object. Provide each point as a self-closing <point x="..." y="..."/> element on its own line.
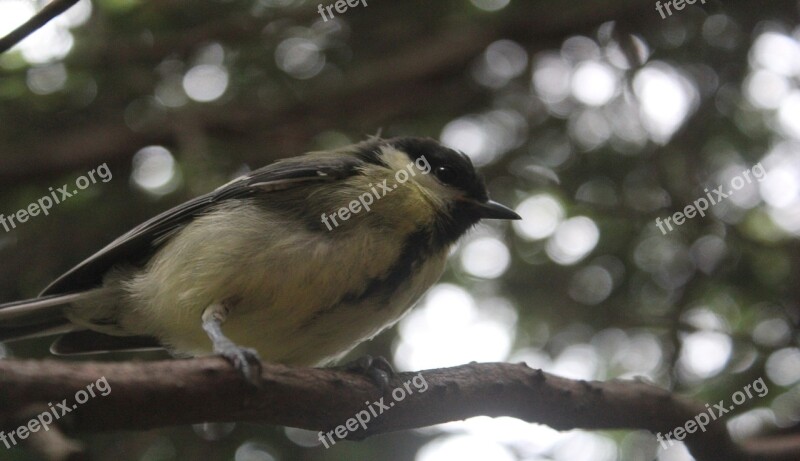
<point x="36" y="317"/>
<point x="45" y="316"/>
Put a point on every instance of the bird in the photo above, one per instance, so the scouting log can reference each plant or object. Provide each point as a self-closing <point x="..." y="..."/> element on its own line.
<point x="296" y="262"/>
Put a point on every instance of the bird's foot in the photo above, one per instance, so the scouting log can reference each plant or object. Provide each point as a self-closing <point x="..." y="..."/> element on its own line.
<point x="377" y="369"/>
<point x="245" y="360"/>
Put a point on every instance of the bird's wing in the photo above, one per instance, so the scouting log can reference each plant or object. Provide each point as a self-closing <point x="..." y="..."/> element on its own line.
<point x="137" y="245"/>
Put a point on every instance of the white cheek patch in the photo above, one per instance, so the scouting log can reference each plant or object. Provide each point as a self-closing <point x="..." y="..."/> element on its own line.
<point x="398" y="160"/>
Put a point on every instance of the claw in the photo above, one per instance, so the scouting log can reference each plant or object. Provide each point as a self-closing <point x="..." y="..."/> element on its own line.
<point x="245" y="360"/>
<point x="377" y="369"/>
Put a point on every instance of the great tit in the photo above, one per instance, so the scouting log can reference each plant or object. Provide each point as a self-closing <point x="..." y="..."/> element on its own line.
<point x="291" y="262"/>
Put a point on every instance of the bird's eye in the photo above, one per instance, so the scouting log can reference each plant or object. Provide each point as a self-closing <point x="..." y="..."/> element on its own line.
<point x="445" y="174"/>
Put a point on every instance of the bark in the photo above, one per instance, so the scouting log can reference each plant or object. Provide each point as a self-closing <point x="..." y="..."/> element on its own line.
<point x="166" y="393"/>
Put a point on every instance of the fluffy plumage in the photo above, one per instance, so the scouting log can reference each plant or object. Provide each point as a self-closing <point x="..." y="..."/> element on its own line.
<point x="300" y="291"/>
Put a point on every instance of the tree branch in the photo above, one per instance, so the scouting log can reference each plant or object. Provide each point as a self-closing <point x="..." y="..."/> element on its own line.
<point x="50" y="11"/>
<point x="155" y="394"/>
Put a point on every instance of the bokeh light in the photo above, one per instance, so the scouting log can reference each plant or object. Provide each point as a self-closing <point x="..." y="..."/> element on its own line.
<point x="573" y="240"/>
<point x="441" y="331"/>
<point x="155" y="170"/>
<point x="205" y="82"/>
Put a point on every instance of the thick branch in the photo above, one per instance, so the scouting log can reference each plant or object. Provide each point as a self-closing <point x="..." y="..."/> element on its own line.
<point x="50" y="11"/>
<point x="208" y="389"/>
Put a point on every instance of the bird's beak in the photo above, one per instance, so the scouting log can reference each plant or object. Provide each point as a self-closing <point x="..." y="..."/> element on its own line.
<point x="494" y="210"/>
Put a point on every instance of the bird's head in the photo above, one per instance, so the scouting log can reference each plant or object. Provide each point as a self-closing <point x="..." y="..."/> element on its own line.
<point x="436" y="186"/>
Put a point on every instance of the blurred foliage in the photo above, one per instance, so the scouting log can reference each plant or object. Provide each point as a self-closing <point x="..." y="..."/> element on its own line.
<point x="637" y="115"/>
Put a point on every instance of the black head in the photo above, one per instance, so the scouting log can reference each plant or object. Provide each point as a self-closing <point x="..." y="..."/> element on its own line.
<point x="450" y="167"/>
<point x="455" y="171"/>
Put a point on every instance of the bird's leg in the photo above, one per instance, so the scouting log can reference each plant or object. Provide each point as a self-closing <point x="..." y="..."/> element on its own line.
<point x="245" y="360"/>
<point x="377" y="369"/>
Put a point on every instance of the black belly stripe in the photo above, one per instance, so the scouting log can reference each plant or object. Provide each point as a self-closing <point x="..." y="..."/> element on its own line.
<point x="419" y="245"/>
<point x="415" y="249"/>
<point x="422" y="243"/>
